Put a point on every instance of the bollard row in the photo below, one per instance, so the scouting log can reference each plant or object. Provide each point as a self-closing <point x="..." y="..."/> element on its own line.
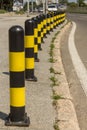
<point x="23" y="52"/>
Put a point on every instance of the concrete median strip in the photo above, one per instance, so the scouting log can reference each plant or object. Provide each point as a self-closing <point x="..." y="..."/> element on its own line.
<point x="66" y="116"/>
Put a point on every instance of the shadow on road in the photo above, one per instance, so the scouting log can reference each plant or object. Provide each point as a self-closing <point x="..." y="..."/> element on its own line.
<point x="7" y="73"/>
<point x="3" y="115"/>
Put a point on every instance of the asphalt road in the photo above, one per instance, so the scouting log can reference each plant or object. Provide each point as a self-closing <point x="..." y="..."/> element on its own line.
<point x="80" y="38"/>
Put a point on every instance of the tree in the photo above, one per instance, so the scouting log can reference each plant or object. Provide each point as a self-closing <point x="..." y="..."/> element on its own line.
<point x="80" y="2"/>
<point x="72" y="4"/>
<point x="1" y="4"/>
<point x="63" y="1"/>
<point x="6" y="4"/>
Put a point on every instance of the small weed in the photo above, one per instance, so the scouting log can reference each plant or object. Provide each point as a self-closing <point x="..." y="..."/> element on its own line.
<point x="54" y="80"/>
<point x="56" y="127"/>
<point x="62" y="27"/>
<point x="53" y="39"/>
<point x="51" y="60"/>
<point x="52" y="46"/>
<point x="51" y="53"/>
<point x="52" y="70"/>
<point x="57" y="97"/>
<point x="57" y="33"/>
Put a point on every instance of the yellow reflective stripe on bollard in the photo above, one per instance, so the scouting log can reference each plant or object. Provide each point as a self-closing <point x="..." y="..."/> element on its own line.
<point x="39" y="40"/>
<point x="48" y="20"/>
<point x="17" y="97"/>
<point x="39" y="27"/>
<point x="29" y="63"/>
<point x="17" y="61"/>
<point x="29" y="41"/>
<point x="44" y="30"/>
<point x="35" y="32"/>
<point x="35" y="48"/>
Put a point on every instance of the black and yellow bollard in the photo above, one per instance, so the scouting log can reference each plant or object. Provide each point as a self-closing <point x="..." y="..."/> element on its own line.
<point x="52" y="15"/>
<point x="44" y="25"/>
<point x="29" y="50"/>
<point x="63" y="17"/>
<point x="59" y="18"/>
<point x="17" y="116"/>
<point x="55" y="20"/>
<point x="48" y="23"/>
<point x="35" y="39"/>
<point x="39" y="32"/>
<point x="51" y="22"/>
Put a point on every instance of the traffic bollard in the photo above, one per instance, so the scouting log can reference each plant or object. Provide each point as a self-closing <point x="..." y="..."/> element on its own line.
<point x="35" y="39"/>
<point x="44" y="25"/>
<point x="55" y="20"/>
<point x="39" y="32"/>
<point x="29" y="50"/>
<point x="48" y="23"/>
<point x="17" y="116"/>
<point x="51" y="23"/>
<point x="57" y="17"/>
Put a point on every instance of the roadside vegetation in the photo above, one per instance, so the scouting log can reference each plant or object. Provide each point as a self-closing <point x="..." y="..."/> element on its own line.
<point x="2" y="11"/>
<point x="53" y="78"/>
<point x="75" y="8"/>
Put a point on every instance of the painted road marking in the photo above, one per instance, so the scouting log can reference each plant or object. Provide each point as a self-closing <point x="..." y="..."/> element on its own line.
<point x="78" y="64"/>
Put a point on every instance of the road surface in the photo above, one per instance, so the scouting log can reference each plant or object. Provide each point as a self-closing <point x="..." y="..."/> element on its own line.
<point x="70" y="62"/>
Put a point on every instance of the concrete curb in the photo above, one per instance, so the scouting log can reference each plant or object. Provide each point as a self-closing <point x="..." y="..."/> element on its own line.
<point x="66" y="115"/>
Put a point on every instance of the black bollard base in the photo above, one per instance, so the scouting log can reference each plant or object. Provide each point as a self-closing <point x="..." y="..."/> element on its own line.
<point x="51" y="30"/>
<point x="32" y="79"/>
<point x="48" y="32"/>
<point x="39" y="47"/>
<point x="29" y="75"/>
<point x="37" y="60"/>
<point x="43" y="42"/>
<point x="24" y="123"/>
<point x="45" y="36"/>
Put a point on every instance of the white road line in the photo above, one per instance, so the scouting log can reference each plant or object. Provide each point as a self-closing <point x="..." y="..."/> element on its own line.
<point x="79" y="66"/>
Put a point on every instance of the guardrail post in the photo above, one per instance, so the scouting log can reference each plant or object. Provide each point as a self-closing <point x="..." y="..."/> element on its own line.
<point x="29" y="50"/>
<point x="17" y="116"/>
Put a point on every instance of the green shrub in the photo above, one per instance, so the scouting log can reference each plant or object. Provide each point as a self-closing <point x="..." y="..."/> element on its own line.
<point x="20" y="12"/>
<point x="2" y="11"/>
